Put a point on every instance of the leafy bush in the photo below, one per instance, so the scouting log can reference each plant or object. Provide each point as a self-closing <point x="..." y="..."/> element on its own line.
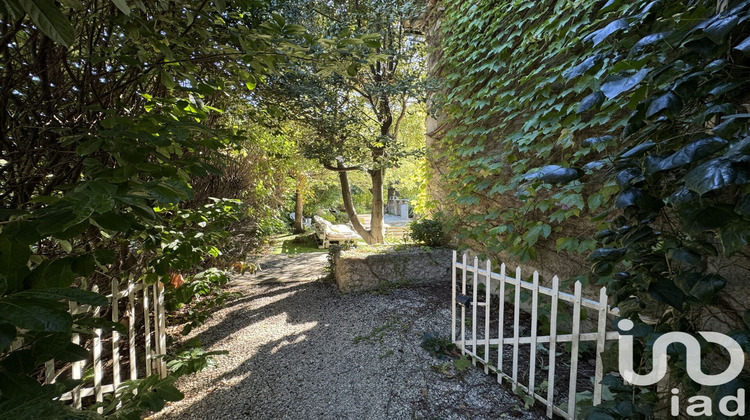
<point x="439" y="346"/>
<point x="428" y="232"/>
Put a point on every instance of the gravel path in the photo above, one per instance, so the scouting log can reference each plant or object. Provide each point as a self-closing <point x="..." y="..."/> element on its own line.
<point x="301" y="350"/>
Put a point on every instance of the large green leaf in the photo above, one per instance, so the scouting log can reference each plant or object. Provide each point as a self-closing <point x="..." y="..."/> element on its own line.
<point x="668" y="103"/>
<point x="718" y="173"/>
<point x="600" y="35"/>
<point x="112" y="221"/>
<point x="7" y="335"/>
<point x="35" y="315"/>
<point x="122" y="5"/>
<point x="667" y="292"/>
<point x="616" y="85"/>
<point x="689" y="154"/>
<point x="52" y="274"/>
<point x="583" y="67"/>
<point x="593" y="100"/>
<point x="50" y="20"/>
<point x="554" y="174"/>
<point x="735" y="236"/>
<point x="13" y="259"/>
<point x="58" y="293"/>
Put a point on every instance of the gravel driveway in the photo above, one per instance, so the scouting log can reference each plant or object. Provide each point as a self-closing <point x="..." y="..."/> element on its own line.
<point x="301" y="350"/>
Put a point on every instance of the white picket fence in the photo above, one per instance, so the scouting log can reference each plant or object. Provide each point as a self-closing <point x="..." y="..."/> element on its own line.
<point x="500" y="283"/>
<point x="150" y="302"/>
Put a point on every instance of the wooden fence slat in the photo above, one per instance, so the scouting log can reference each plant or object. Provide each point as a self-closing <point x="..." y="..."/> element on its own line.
<point x="131" y="331"/>
<point x="516" y="325"/>
<point x="97" y="350"/>
<point x="463" y="307"/>
<point x="487" y="308"/>
<point x="586" y="303"/>
<point x="147" y="328"/>
<point x="49" y="371"/>
<point x="474" y="305"/>
<point x="77" y="367"/>
<point x="552" y="347"/>
<point x="574" y="352"/>
<point x="162" y="337"/>
<point x="601" y="336"/>
<point x="501" y="322"/>
<point x="115" y="335"/>
<point x="534" y="316"/>
<point x="453" y="301"/>
<point x="156" y="361"/>
<point x="601" y="333"/>
<point x="96" y="386"/>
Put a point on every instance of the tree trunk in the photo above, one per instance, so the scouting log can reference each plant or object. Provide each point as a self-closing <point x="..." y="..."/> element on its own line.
<point x="376" y="213"/>
<point x="375" y="234"/>
<point x="299" y="218"/>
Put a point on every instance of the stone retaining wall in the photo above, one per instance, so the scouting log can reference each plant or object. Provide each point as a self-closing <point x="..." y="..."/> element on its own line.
<point x="357" y="271"/>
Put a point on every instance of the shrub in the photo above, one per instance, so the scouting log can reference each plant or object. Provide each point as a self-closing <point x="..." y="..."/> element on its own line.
<point x="428" y="232"/>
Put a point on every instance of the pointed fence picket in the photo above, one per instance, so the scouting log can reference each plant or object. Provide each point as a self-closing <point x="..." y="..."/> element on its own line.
<point x="152" y="326"/>
<point x="471" y="343"/>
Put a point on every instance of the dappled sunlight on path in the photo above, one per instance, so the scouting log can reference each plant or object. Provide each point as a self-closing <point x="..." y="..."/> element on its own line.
<point x="301" y="350"/>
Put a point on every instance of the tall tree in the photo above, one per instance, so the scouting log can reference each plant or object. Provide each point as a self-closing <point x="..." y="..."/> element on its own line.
<point x="355" y="114"/>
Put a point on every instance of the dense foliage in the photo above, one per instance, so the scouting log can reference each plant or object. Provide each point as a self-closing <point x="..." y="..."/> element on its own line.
<point x="109" y="116"/>
<point x="631" y="115"/>
<point x="354" y="116"/>
<point x="427" y="231"/>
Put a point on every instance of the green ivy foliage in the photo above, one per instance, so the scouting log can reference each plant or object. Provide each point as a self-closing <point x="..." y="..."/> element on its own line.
<point x="629" y="114"/>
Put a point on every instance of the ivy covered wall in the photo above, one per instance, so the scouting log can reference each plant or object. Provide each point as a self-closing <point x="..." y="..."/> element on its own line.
<point x="602" y="139"/>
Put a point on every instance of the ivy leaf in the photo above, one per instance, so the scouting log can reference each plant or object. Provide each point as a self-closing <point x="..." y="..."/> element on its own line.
<point x="48" y="18"/>
<point x="684" y="255"/>
<point x="735" y="236"/>
<point x="719" y="28"/>
<point x="707" y="287"/>
<point x="744" y="46"/>
<point x="743" y="206"/>
<point x="638" y="151"/>
<point x="607" y="254"/>
<point x="600" y="35"/>
<point x="593" y="100"/>
<point x="667" y="292"/>
<point x="718" y="173"/>
<point x="554" y="174"/>
<point x="583" y="67"/>
<point x="636" y="197"/>
<point x="619" y="84"/>
<point x="692" y="152"/>
<point x="650" y="39"/>
<point x="669" y="103"/>
<point x="596" y="140"/>
<point x="628" y="177"/>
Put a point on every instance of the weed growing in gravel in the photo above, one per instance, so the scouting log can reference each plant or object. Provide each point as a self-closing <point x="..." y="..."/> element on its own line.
<point x="440" y="347"/>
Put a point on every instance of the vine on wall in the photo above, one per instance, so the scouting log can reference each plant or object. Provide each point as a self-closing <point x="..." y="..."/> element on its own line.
<point x="626" y="118"/>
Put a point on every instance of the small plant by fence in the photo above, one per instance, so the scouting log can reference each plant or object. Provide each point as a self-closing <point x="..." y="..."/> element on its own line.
<point x="133" y="356"/>
<point x="499" y="351"/>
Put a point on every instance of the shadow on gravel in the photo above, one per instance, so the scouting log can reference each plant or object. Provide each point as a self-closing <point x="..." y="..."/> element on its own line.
<point x="301" y="350"/>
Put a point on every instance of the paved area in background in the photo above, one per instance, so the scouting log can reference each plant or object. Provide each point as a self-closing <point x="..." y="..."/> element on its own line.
<point x="301" y="350"/>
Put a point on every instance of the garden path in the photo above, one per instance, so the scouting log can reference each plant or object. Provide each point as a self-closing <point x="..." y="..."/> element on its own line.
<point x="301" y="350"/>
